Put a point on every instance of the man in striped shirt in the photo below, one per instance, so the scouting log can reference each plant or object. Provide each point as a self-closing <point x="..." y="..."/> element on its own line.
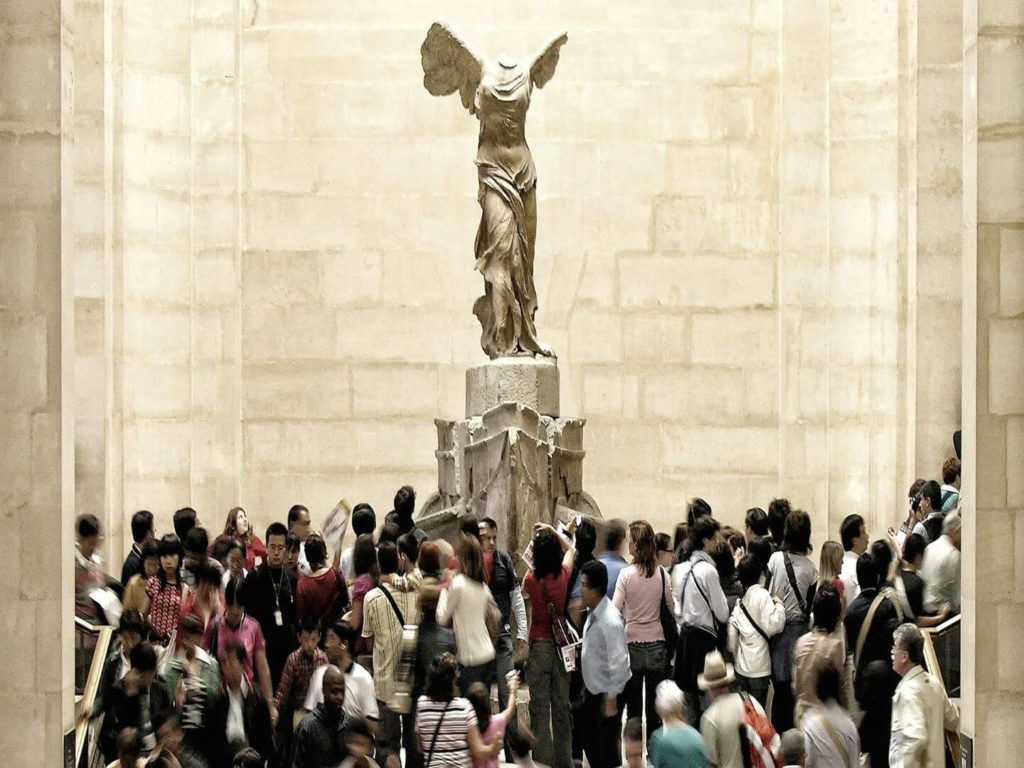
<point x="385" y="611"/>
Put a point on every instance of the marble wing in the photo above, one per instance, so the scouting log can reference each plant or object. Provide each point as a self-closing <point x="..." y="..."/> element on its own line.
<point x="542" y="69"/>
<point x="450" y="65"/>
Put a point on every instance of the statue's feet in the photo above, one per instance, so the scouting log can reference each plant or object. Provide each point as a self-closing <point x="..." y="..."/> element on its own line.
<point x="546" y="351"/>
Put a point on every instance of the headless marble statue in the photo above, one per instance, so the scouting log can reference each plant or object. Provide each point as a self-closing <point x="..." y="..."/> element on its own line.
<point x="498" y="92"/>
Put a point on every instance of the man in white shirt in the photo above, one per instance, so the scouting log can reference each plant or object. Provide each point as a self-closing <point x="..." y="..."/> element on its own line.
<point x="921" y="711"/>
<point x="301" y="524"/>
<point x="360" y="697"/>
<point x="940" y="571"/>
<point x="854" y="535"/>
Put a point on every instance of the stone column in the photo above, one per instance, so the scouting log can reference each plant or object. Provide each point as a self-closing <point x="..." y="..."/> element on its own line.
<point x="993" y="368"/>
<point x="36" y="367"/>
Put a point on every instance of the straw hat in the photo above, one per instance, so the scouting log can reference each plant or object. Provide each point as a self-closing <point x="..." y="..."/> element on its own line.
<point x="716" y="672"/>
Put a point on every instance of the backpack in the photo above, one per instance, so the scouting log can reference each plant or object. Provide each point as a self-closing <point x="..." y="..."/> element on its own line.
<point x="760" y="743"/>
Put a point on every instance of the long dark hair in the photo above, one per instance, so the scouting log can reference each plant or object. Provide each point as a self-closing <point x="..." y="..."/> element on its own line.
<point x="169" y="545"/>
<point x="547" y="554"/>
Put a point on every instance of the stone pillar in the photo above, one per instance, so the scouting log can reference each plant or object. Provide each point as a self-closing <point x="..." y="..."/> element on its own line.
<point x="36" y="374"/>
<point x="993" y="367"/>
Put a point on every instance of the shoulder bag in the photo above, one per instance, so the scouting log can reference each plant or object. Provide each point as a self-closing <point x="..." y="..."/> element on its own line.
<point x="804" y="608"/>
<point x="668" y="620"/>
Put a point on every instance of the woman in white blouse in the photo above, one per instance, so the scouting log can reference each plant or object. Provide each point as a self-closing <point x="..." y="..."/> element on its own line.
<point x="464" y="605"/>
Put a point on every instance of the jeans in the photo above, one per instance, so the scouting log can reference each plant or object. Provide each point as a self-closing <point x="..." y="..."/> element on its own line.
<point x="481" y="673"/>
<point x="648" y="663"/>
<point x="549" y="704"/>
<point x="757" y="687"/>
<point x="389" y="733"/>
<point x="503" y="664"/>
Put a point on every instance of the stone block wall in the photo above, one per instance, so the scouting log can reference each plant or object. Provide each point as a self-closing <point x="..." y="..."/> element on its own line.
<point x="720" y="260"/>
<point x="37" y="491"/>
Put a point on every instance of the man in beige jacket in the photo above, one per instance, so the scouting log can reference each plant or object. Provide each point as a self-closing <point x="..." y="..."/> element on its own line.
<point x="921" y="711"/>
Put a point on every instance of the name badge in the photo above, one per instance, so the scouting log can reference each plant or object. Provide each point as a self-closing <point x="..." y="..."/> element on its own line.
<point x="278" y="618"/>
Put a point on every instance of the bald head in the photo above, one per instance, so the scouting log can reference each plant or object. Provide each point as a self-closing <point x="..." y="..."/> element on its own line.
<point x="333" y="689"/>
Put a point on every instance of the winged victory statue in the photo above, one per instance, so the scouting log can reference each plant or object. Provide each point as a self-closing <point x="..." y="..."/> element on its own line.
<point x="498" y="92"/>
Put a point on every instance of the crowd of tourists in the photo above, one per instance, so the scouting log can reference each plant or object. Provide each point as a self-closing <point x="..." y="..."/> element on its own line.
<point x="712" y="646"/>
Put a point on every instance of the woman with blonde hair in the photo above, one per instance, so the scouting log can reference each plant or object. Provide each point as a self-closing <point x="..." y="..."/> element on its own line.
<point x="829" y="565"/>
<point x="640" y="591"/>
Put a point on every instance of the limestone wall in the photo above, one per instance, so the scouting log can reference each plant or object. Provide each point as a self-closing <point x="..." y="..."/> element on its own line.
<point x="36" y="377"/>
<point x="721" y="261"/>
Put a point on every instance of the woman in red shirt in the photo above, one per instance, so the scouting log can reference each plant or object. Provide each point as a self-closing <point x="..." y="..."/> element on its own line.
<point x="238" y="527"/>
<point x="547" y="587"/>
<point x="323" y="594"/>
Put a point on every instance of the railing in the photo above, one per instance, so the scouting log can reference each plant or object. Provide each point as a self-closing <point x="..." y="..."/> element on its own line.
<point x="942" y="659"/>
<point x="92" y="644"/>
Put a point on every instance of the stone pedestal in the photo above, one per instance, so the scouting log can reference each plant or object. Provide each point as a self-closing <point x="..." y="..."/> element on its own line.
<point x="513" y="460"/>
<point x="525" y="380"/>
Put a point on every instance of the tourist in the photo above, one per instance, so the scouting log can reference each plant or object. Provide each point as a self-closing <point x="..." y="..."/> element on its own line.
<point x="292" y="552"/>
<point x="910" y="585"/>
<point x="720" y="724"/>
<point x="364" y="563"/>
<point x="464" y="605"/>
<point x="547" y="586"/>
<point x="232" y="556"/>
<point x="204" y="600"/>
<point x="492" y="726"/>
<point x="676" y="744"/>
<point x="185" y="519"/>
<point x="778" y="511"/>
<point x="701" y="609"/>
<point x="385" y="613"/>
<point x="792" y="752"/>
<point x="323" y="593"/>
<point x="584" y="541"/>
<point x="241" y="718"/>
<point x="300" y="524"/>
<point x="830" y="736"/>
<point x="360" y="696"/>
<point x="820" y="648"/>
<point x="755" y="524"/>
<point x="950" y="488"/>
<point x="238" y="527"/>
<point x="88" y="568"/>
<point x="940" y="569"/>
<point x="639" y="594"/>
<point x="407" y="577"/>
<point x="142" y="532"/>
<point x="931" y="508"/>
<point x="364" y="521"/>
<point x="405" y="507"/>
<point x="757" y="617"/>
<point x="830" y="567"/>
<point x="193" y="679"/>
<point x="249" y="758"/>
<point x="138" y="698"/>
<point x="763" y="548"/>
<point x="165" y="590"/>
<point x="134" y="597"/>
<point x="612" y="557"/>
<point x="359" y="742"/>
<point x="854" y="536"/>
<point x="321" y="738"/>
<point x="268" y="596"/>
<point x="914" y="514"/>
<point x="874" y="682"/>
<point x="793" y="578"/>
<point x="724" y="556"/>
<point x="605" y="666"/>
<point x="128" y="747"/>
<point x="633" y="743"/>
<point x="663" y="545"/>
<point x="237" y="627"/>
<point x="921" y="711"/>
<point x="500" y="577"/>
<point x="132" y="629"/>
<point x="172" y="749"/>
<point x="449" y="734"/>
<point x="298" y="671"/>
<point x="197" y="545"/>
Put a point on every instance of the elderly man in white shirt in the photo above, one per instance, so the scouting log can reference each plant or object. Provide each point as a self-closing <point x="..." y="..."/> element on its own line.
<point x="854" y="534"/>
<point x="940" y="571"/>
<point x="921" y="711"/>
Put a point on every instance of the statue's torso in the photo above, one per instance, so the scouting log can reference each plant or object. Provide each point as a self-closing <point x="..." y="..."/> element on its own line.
<point x="502" y="100"/>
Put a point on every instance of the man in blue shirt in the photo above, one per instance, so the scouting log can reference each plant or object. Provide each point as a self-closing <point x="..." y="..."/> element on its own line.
<point x="612" y="556"/>
<point x="605" y="668"/>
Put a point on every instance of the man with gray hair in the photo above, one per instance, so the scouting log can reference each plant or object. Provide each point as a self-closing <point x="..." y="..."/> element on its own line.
<point x="941" y="568"/>
<point x="921" y="711"/>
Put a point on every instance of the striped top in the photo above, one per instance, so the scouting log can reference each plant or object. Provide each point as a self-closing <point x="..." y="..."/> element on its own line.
<point x="381" y="623"/>
<point x="451" y="747"/>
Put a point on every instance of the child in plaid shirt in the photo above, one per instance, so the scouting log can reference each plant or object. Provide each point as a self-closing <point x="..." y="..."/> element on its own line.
<point x="298" y="669"/>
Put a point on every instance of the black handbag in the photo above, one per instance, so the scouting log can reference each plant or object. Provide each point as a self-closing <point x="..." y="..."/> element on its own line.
<point x="668" y="620"/>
